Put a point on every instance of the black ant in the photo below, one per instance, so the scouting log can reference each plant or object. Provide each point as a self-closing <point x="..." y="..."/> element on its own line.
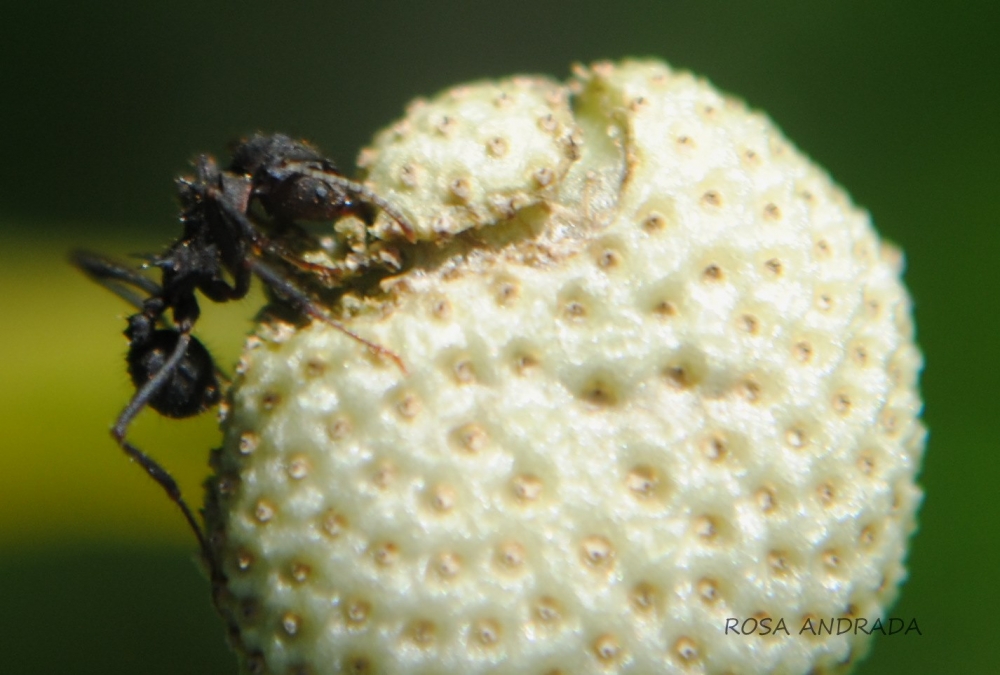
<point x="172" y="371"/>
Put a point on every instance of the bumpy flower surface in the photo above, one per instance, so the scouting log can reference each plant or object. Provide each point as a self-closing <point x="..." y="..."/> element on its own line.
<point x="660" y="373"/>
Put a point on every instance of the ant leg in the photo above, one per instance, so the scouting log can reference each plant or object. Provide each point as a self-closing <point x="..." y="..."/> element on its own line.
<point x="107" y="273"/>
<point x="367" y="194"/>
<point x="329" y="274"/>
<point x="267" y="245"/>
<point x="115" y="277"/>
<point x="286" y="288"/>
<point x="149" y="465"/>
<point x="264" y="244"/>
<point x="167" y="482"/>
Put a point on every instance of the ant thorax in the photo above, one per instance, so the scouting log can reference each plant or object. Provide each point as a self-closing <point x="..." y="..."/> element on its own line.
<point x="238" y="223"/>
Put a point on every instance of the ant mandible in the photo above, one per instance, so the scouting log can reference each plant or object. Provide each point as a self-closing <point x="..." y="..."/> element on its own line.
<point x="173" y="372"/>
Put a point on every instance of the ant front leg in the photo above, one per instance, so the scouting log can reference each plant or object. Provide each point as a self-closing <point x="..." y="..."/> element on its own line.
<point x="300" y="299"/>
<point x="217" y="290"/>
<point x="328" y="275"/>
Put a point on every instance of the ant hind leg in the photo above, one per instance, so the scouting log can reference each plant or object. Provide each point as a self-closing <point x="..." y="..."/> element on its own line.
<point x="169" y="485"/>
<point x="139" y="401"/>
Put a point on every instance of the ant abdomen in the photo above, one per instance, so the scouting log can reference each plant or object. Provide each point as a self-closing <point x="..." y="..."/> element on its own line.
<point x="189" y="389"/>
<point x="229" y="218"/>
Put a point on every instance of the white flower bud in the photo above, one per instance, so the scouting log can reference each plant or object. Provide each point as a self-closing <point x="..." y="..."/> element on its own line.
<point x="660" y="373"/>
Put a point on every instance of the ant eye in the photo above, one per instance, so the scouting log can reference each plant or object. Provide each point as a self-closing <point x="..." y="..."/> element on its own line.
<point x="225" y="242"/>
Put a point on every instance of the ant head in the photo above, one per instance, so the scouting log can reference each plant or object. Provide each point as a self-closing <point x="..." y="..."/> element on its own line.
<point x="258" y="152"/>
<point x="310" y="198"/>
<point x="190" y="389"/>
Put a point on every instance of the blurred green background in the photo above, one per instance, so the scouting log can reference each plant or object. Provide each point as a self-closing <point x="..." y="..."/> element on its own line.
<point x="102" y="104"/>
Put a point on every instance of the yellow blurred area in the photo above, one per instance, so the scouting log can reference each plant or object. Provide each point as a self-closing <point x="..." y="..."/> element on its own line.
<point x="62" y="384"/>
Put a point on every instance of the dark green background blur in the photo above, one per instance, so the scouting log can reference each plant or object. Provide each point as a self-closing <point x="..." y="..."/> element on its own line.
<point x="102" y="103"/>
